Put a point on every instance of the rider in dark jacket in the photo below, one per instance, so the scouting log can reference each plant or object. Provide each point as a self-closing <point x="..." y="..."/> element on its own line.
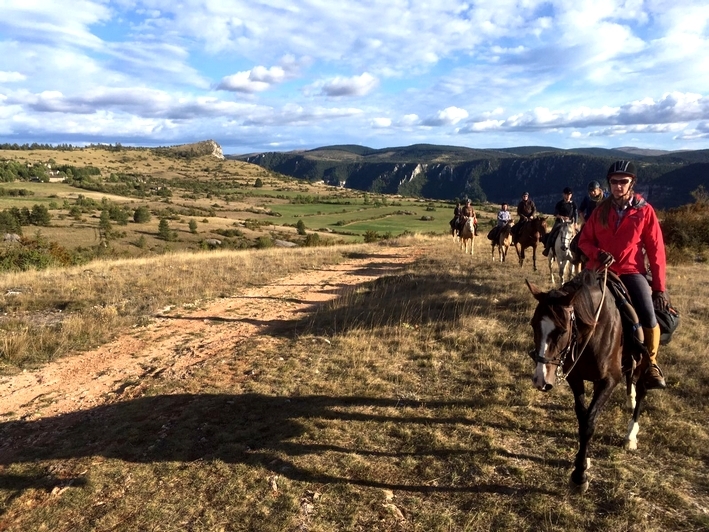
<point x="526" y="210"/>
<point x="469" y="212"/>
<point x="595" y="196"/>
<point x="565" y="210"/>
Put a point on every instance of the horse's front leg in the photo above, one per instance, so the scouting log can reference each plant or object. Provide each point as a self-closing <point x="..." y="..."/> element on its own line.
<point x="562" y="270"/>
<point x="534" y="257"/>
<point x="520" y="254"/>
<point x="587" y="427"/>
<point x="638" y="394"/>
<point x="579" y="480"/>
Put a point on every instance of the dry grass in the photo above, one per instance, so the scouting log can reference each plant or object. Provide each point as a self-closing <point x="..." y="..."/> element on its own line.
<point x="406" y="405"/>
<point x="49" y="313"/>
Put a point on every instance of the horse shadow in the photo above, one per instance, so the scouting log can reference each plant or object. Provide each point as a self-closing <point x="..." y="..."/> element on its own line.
<point x="252" y="429"/>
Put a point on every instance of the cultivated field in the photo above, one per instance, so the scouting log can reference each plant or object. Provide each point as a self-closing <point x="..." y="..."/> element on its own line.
<point x="263" y="402"/>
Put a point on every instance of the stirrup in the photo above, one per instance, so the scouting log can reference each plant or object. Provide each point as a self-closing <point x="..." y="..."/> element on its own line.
<point x="656" y="381"/>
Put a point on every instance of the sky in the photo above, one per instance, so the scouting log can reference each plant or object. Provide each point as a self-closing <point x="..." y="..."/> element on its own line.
<point x="281" y="75"/>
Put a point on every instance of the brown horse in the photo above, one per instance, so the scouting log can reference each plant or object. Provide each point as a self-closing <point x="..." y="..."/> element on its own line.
<point x="456" y="226"/>
<point x="578" y="335"/>
<point x="529" y="235"/>
<point x="502" y="241"/>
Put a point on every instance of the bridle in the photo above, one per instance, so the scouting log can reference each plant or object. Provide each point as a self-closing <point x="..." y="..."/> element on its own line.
<point x="560" y="359"/>
<point x="567" y="236"/>
<point x="572" y="345"/>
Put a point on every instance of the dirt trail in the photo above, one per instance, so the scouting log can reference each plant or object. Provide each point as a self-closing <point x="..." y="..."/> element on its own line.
<point x="171" y="344"/>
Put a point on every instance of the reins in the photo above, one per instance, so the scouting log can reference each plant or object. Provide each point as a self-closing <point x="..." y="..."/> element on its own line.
<point x="572" y="343"/>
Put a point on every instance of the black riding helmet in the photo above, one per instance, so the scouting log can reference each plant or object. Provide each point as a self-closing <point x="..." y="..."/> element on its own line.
<point x="593" y="185"/>
<point x="622" y="168"/>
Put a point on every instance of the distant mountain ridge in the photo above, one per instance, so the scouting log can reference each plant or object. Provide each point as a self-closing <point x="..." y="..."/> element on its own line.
<point x="666" y="179"/>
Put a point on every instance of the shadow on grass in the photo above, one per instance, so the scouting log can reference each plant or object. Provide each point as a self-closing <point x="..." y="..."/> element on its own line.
<point x="259" y="430"/>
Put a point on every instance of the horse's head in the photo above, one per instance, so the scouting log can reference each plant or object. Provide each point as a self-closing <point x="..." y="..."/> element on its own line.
<point x="567" y="232"/>
<point x="541" y="224"/>
<point x="553" y="326"/>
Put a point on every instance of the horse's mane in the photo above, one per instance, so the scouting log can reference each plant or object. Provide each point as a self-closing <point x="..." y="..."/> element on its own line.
<point x="576" y="292"/>
<point x="583" y="286"/>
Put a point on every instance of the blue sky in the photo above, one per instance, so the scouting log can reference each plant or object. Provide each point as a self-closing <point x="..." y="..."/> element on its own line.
<point x="288" y="74"/>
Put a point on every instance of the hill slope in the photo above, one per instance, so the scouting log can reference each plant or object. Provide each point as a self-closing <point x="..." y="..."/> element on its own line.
<point x="450" y="172"/>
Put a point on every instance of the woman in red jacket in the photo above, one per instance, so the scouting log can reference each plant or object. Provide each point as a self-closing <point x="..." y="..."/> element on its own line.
<point x="619" y="234"/>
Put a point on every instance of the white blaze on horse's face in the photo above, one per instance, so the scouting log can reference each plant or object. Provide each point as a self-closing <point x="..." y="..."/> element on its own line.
<point x="544" y="374"/>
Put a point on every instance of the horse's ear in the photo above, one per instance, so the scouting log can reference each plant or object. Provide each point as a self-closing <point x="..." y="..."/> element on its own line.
<point x="536" y="291"/>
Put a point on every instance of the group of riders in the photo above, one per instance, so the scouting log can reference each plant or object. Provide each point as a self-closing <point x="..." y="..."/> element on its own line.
<point x="620" y="231"/>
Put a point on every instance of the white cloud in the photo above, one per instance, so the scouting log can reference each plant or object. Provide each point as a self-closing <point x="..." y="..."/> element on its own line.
<point x="667" y="114"/>
<point x="11" y="77"/>
<point x="510" y="68"/>
<point x="381" y="122"/>
<point x="447" y="117"/>
<point x="354" y="86"/>
<point x="255" y="80"/>
<point x="409" y="120"/>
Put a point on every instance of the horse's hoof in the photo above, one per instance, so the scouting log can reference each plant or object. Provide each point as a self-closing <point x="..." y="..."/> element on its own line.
<point x="578" y="488"/>
<point x="631" y="445"/>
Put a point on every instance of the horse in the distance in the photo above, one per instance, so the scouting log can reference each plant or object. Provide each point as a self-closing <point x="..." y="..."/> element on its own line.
<point x="578" y="335"/>
<point x="502" y="241"/>
<point x="467" y="235"/>
<point x="560" y="251"/>
<point x="456" y="227"/>
<point x="530" y="235"/>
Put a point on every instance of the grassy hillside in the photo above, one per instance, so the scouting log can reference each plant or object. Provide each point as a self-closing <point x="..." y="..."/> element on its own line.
<point x="185" y="186"/>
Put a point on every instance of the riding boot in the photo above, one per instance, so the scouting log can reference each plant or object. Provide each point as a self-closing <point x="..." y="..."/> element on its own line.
<point x="653" y="377"/>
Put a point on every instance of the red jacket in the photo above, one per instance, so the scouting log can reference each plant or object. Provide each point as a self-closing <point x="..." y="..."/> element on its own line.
<point x="638" y="230"/>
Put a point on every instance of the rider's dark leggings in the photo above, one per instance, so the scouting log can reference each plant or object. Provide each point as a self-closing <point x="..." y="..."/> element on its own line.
<point x="641" y="298"/>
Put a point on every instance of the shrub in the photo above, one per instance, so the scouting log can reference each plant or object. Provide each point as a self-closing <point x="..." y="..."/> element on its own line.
<point x="312" y="240"/>
<point x="264" y="242"/>
<point x="300" y="226"/>
<point x="371" y="236"/>
<point x="687" y="227"/>
<point x="229" y="232"/>
<point x="141" y="215"/>
<point x="36" y="253"/>
<point x="164" y="231"/>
